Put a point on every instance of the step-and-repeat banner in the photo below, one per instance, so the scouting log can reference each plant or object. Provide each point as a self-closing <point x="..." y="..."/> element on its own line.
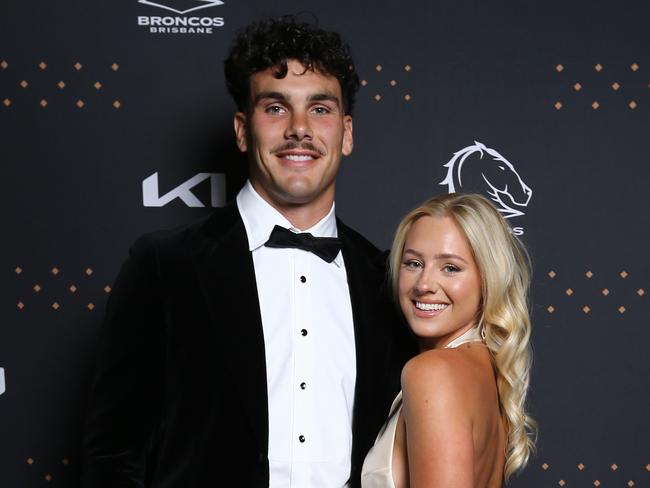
<point x="115" y="121"/>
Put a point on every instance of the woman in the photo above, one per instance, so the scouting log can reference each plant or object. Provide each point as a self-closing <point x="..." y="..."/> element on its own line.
<point x="461" y="280"/>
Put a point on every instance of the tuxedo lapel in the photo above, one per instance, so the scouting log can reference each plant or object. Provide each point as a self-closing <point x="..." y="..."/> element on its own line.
<point x="366" y="283"/>
<point x="225" y="269"/>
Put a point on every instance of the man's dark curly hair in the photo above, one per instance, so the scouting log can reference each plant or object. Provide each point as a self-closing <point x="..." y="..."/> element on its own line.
<point x="272" y="42"/>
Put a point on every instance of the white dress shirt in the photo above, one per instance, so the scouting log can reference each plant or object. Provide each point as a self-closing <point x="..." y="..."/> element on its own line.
<point x="310" y="351"/>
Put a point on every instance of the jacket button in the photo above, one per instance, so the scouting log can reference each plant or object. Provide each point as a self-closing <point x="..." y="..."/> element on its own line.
<point x="301" y="438"/>
<point x="303" y="279"/>
<point x="303" y="386"/>
<point x="303" y="332"/>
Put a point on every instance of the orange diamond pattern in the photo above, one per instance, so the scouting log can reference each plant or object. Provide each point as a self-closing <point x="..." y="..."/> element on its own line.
<point x="115" y="66"/>
<point x="407" y="68"/>
<point x="624" y="274"/>
<point x="589" y="274"/>
<point x="605" y="291"/>
<point x="577" y="87"/>
<point x="621" y="309"/>
<point x="559" y="68"/>
<point x="640" y="292"/>
<point x="634" y="67"/>
<point x="569" y="291"/>
<point x="552" y="274"/>
<point x="550" y="309"/>
<point x="595" y="105"/>
<point x="586" y="309"/>
<point x="615" y="86"/>
<point x="598" y="67"/>
<point x="42" y="65"/>
<point x="632" y="105"/>
<point x="581" y="466"/>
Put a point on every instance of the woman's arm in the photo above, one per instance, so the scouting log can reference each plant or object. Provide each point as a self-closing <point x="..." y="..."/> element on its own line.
<point x="439" y="435"/>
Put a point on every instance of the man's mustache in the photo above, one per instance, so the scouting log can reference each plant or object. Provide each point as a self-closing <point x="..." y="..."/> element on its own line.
<point x="290" y="145"/>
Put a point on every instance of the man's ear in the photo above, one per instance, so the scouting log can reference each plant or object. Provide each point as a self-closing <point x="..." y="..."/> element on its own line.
<point x="240" y="131"/>
<point x="348" y="140"/>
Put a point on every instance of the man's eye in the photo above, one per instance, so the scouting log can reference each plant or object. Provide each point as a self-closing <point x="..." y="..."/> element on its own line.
<point x="321" y="110"/>
<point x="275" y="109"/>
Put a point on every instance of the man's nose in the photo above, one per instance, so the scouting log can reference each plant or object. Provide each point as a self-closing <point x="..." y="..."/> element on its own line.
<point x="299" y="127"/>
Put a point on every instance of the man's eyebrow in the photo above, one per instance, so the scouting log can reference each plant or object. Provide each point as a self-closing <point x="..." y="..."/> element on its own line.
<point x="324" y="97"/>
<point x="270" y="95"/>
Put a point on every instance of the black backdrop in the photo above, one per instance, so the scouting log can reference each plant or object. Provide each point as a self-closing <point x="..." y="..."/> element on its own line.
<point x="92" y="103"/>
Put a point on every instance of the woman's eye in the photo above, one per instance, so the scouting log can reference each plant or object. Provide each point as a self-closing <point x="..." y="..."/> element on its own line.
<point x="412" y="264"/>
<point x="450" y="268"/>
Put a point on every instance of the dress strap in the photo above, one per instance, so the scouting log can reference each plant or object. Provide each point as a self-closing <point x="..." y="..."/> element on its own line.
<point x="471" y="335"/>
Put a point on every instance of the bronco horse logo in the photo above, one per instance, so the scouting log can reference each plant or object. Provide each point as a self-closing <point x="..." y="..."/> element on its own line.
<point x="504" y="185"/>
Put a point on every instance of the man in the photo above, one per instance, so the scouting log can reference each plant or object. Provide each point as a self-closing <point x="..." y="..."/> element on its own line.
<point x="230" y="351"/>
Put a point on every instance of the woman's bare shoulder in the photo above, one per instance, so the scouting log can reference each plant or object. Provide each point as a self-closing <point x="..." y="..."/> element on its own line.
<point x="445" y="374"/>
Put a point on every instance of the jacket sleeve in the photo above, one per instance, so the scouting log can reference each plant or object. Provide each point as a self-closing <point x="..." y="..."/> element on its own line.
<point x="124" y="408"/>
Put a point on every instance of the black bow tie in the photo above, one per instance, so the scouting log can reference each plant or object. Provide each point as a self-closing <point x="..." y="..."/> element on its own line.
<point x="325" y="248"/>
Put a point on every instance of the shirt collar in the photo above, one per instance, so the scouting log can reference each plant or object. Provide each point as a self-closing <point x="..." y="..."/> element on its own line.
<point x="260" y="217"/>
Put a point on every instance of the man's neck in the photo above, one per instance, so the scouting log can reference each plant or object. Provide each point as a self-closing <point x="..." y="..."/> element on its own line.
<point x="303" y="218"/>
<point x="301" y="215"/>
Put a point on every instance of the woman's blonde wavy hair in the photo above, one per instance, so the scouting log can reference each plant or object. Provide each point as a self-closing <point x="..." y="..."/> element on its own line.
<point x="505" y="270"/>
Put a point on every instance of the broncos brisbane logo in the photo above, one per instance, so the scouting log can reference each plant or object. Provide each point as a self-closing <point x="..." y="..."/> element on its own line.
<point x="497" y="176"/>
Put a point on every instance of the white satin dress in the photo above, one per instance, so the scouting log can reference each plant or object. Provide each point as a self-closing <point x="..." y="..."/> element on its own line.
<point x="377" y="471"/>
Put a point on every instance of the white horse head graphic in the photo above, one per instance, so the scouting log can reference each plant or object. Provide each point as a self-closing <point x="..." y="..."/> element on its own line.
<point x="504" y="185"/>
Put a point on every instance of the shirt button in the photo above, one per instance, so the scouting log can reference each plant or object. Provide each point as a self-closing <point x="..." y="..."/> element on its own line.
<point x="303" y="332"/>
<point x="303" y="386"/>
<point x="301" y="438"/>
<point x="303" y="279"/>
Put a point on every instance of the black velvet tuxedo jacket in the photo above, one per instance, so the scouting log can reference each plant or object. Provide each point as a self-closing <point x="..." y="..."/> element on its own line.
<point x="179" y="396"/>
